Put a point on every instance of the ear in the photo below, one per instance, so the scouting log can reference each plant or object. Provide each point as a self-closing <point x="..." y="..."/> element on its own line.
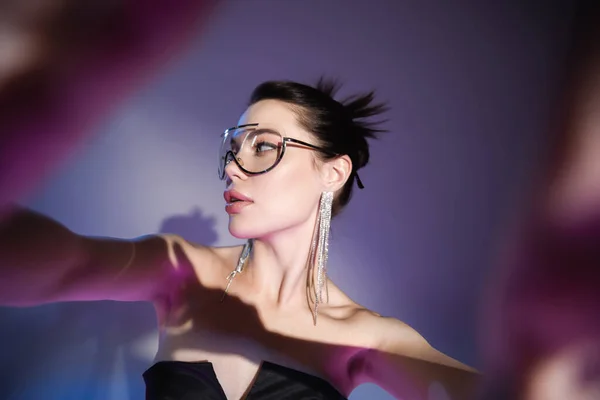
<point x="336" y="172"/>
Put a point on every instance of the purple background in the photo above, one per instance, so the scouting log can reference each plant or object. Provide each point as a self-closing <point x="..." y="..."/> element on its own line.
<point x="470" y="84"/>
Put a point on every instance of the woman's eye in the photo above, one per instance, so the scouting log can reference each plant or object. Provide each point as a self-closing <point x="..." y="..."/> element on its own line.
<point x="264" y="146"/>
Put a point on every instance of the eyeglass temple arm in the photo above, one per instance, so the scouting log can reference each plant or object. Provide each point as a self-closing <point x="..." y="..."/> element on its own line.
<point x="312" y="146"/>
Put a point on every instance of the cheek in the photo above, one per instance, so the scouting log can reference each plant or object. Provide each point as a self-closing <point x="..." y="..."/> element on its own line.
<point x="292" y="192"/>
<point x="282" y="200"/>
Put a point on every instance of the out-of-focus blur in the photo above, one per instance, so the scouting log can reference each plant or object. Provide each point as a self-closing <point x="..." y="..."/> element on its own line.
<point x="542" y="339"/>
<point x="570" y="373"/>
<point x="468" y="84"/>
<point x="64" y="64"/>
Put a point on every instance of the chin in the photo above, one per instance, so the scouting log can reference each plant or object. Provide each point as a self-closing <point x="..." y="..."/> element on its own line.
<point x="242" y="228"/>
<point x="240" y="234"/>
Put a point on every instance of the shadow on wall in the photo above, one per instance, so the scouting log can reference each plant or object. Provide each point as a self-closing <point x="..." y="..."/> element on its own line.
<point x="86" y="350"/>
<point x="194" y="227"/>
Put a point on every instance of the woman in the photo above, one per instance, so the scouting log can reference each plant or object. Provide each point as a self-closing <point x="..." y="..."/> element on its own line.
<point x="261" y="320"/>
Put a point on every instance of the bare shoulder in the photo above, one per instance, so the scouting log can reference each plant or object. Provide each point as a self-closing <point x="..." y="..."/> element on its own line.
<point x="390" y="336"/>
<point x="374" y="331"/>
<point x="386" y="332"/>
<point x="394" y="334"/>
<point x="399" y="338"/>
<point x="369" y="328"/>
<point x="341" y="306"/>
<point x="183" y="253"/>
<point x="180" y="247"/>
<point x="204" y="261"/>
<point x="389" y="326"/>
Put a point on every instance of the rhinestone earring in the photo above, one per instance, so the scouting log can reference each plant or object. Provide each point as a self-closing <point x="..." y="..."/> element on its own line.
<point x="319" y="253"/>
<point x="240" y="265"/>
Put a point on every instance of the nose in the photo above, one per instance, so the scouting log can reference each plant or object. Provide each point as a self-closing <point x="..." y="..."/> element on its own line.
<point x="232" y="170"/>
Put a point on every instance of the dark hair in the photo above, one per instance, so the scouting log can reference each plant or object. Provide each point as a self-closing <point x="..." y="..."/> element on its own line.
<point x="340" y="127"/>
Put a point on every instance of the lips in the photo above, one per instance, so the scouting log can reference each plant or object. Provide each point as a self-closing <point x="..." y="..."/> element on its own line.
<point x="235" y="201"/>
<point x="232" y="196"/>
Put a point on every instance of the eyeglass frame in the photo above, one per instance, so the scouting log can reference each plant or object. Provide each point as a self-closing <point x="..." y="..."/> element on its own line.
<point x="284" y="139"/>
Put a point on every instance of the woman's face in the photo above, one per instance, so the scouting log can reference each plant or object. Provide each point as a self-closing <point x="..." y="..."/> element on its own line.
<point x="287" y="196"/>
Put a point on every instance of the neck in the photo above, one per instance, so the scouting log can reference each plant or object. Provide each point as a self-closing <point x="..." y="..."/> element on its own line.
<point x="278" y="267"/>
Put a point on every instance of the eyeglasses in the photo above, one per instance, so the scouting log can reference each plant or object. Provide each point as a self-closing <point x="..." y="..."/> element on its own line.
<point x="255" y="149"/>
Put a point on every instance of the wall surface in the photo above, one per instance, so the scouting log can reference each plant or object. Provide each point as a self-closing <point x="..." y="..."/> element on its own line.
<point x="470" y="85"/>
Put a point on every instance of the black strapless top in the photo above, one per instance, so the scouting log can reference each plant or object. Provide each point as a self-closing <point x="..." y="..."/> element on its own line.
<point x="178" y="380"/>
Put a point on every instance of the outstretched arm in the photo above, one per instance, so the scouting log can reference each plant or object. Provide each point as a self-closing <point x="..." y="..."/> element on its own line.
<point x="408" y="367"/>
<point x="42" y="261"/>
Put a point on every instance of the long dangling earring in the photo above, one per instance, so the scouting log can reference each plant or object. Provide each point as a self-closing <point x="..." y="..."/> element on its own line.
<point x="320" y="249"/>
<point x="240" y="265"/>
